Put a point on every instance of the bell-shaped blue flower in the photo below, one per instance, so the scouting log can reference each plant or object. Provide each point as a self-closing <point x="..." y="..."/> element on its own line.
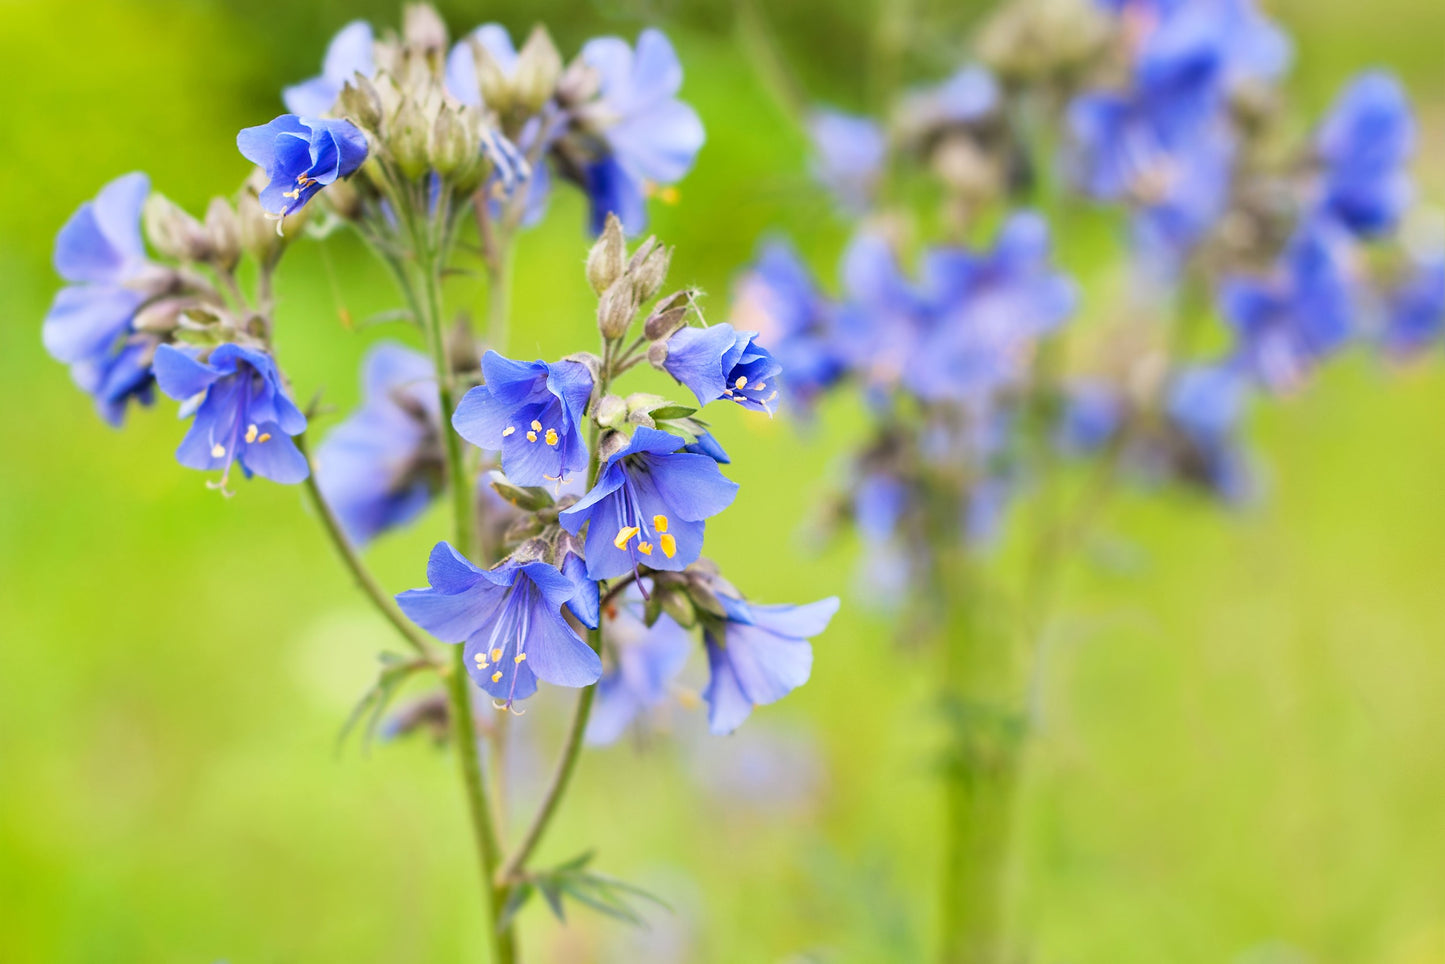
<point x="301" y="155"/>
<point x="381" y="467"/>
<point x="650" y="138"/>
<point x="721" y="362"/>
<point x="1415" y="307"/>
<point x="1286" y="323"/>
<point x="779" y="299"/>
<point x="100" y="253"/>
<point x="1205" y="406"/>
<point x="645" y="662"/>
<point x="649" y="506"/>
<point x="531" y="412"/>
<point x="1364" y="147"/>
<point x="510" y="619"/>
<point x="348" y="54"/>
<point x="758" y="655"/>
<point x="242" y="412"/>
<point x="848" y="156"/>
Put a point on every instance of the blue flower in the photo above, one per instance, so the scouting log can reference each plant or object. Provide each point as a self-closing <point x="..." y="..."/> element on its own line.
<point x="1363" y="147"/>
<point x="721" y="362"/>
<point x="709" y="446"/>
<point x="242" y="413"/>
<point x="532" y="412"/>
<point x="988" y="311"/>
<point x="301" y="155"/>
<point x="779" y="299"/>
<point x="1287" y="323"/>
<point x="848" y="155"/>
<point x="89" y="325"/>
<point x="1415" y="308"/>
<point x="650" y="138"/>
<point x="1093" y="413"/>
<point x="883" y="317"/>
<point x="348" y="54"/>
<point x="381" y="467"/>
<point x="649" y="506"/>
<point x="644" y="663"/>
<point x="510" y="619"/>
<point x="968" y="98"/>
<point x="1205" y="405"/>
<point x="758" y="655"/>
<point x="1252" y="49"/>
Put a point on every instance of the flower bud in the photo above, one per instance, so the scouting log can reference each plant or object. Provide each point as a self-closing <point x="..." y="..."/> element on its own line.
<point x="616" y="309"/>
<point x="173" y="232"/>
<point x="668" y="315"/>
<point x="657" y="354"/>
<point x="492" y="81"/>
<point x="449" y="148"/>
<point x="675" y="603"/>
<point x="343" y="198"/>
<point x="527" y="498"/>
<point x="409" y="139"/>
<point x="605" y="260"/>
<point x="611" y="412"/>
<point x="162" y="315"/>
<point x="422" y="27"/>
<point x="648" y="274"/>
<point x="539" y="66"/>
<point x="611" y="444"/>
<point x="223" y="230"/>
<point x="360" y="103"/>
<point x="641" y="418"/>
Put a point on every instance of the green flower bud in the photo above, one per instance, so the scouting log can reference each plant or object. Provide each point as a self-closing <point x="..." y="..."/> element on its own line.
<point x="539" y="66"/>
<point x="668" y="315"/>
<point x="423" y="28"/>
<point x="173" y="232"/>
<point x="649" y="273"/>
<point x="616" y="309"/>
<point x="611" y="412"/>
<point x="606" y="259"/>
<point x="223" y="229"/>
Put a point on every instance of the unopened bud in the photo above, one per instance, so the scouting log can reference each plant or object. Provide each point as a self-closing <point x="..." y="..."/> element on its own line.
<point x="607" y="257"/>
<point x="616" y="309"/>
<point x="527" y="498"/>
<point x="611" y="444"/>
<point x="422" y="27"/>
<point x="409" y="140"/>
<point x="344" y="199"/>
<point x="611" y="411"/>
<point x="649" y="274"/>
<point x="173" y="232"/>
<point x="223" y="230"/>
<point x="449" y="148"/>
<point x="657" y="354"/>
<point x="360" y="103"/>
<point x="668" y="315"/>
<point x="162" y="315"/>
<point x="675" y="603"/>
<point x="644" y="419"/>
<point x="539" y="65"/>
<point x="492" y="82"/>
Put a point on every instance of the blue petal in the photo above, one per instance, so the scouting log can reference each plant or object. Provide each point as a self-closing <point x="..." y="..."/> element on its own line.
<point x="695" y="359"/>
<point x="448" y="571"/>
<point x="728" y="705"/>
<point x="585" y="602"/>
<point x="86" y="320"/>
<point x="556" y="653"/>
<point x="277" y="458"/>
<point x="180" y="375"/>
<point x="691" y="485"/>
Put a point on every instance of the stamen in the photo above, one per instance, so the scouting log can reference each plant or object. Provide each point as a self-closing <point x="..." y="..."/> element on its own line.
<point x="531" y="436"/>
<point x="519" y="657"/>
<point x="496" y="655"/>
<point x="218" y="451"/>
<point x="645" y="548"/>
<point x="668" y="544"/>
<point x="741" y="383"/>
<point x="496" y="676"/>
<point x="759" y="387"/>
<point x="659" y="523"/>
<point x="551" y="436"/>
<point x="536" y="425"/>
<point x="250" y="434"/>
<point x="264" y="437"/>
<point x="623" y="535"/>
<point x="508" y="431"/>
<point x="481" y="659"/>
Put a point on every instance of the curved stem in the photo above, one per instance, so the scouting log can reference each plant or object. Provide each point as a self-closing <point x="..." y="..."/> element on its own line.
<point x="373" y="590"/>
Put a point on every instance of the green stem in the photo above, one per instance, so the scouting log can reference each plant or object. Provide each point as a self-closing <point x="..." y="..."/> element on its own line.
<point x="373" y="590"/>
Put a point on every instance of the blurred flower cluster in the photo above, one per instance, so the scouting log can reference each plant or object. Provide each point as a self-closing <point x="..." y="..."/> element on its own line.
<point x="1254" y="255"/>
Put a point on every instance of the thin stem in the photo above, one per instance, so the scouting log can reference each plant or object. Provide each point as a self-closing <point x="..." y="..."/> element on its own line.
<point x="373" y="590"/>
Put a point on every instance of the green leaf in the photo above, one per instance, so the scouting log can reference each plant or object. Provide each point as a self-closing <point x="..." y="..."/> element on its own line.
<point x="395" y="670"/>
<point x="515" y="900"/>
<point x="672" y="410"/>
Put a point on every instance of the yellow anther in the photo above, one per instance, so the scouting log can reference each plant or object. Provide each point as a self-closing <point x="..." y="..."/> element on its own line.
<point x="659" y="523"/>
<point x="536" y="425"/>
<point x="645" y="548"/>
<point x="508" y="431"/>
<point x="519" y="657"/>
<point x="481" y="659"/>
<point x="294" y="195"/>
<point x="250" y="434"/>
<point x="759" y="387"/>
<point x="551" y="436"/>
<point x="668" y="544"/>
<point x="217" y="450"/>
<point x="741" y="383"/>
<point x="531" y="436"/>
<point x="496" y="655"/>
<point x="772" y="396"/>
<point x="264" y="437"/>
<point x="623" y="535"/>
<point x="496" y="676"/>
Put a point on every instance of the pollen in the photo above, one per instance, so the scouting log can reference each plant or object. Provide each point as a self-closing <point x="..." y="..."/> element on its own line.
<point x="659" y="523"/>
<point x="536" y="425"/>
<point x="251" y="431"/>
<point x="668" y="195"/>
<point x="645" y="548"/>
<point x="624" y="535"/>
<point x="264" y="437"/>
<point x="496" y="655"/>
<point x="551" y="436"/>
<point x="509" y="431"/>
<point x="531" y="436"/>
<point x="741" y="383"/>
<point x="481" y="659"/>
<point x="519" y="657"/>
<point x="218" y="450"/>
<point x="668" y="544"/>
<point x="496" y="676"/>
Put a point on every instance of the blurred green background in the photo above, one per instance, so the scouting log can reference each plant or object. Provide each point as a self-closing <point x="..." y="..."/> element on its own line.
<point x="1239" y="756"/>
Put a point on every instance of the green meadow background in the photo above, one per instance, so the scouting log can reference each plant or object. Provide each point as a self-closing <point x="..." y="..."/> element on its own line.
<point x="1240" y="717"/>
